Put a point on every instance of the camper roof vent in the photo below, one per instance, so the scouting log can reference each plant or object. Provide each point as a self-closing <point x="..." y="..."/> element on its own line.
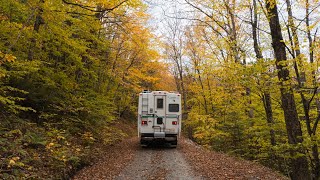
<point x="146" y="91"/>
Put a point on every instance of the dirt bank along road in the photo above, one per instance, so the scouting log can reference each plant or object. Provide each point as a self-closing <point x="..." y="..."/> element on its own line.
<point x="128" y="160"/>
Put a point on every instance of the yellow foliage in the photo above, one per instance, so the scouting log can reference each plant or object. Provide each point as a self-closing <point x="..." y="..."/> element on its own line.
<point x="14" y="162"/>
<point x="6" y="58"/>
<point x="88" y="136"/>
<point x="11" y="163"/>
<point x="2" y="74"/>
<point x="50" y="145"/>
<point x="2" y="17"/>
<point x="59" y="137"/>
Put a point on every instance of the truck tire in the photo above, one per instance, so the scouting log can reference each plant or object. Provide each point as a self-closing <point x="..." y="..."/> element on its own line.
<point x="143" y="143"/>
<point x="174" y="143"/>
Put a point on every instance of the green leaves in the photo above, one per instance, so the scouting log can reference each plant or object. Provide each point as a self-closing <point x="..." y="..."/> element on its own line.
<point x="71" y="73"/>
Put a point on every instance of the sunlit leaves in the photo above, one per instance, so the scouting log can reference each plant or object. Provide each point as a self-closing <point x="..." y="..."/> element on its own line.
<point x="6" y="58"/>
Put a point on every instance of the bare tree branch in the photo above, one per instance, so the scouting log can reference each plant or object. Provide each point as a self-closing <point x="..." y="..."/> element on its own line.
<point x="313" y="95"/>
<point x="208" y="15"/>
<point x="314" y="129"/>
<point x="73" y="12"/>
<point x="302" y="20"/>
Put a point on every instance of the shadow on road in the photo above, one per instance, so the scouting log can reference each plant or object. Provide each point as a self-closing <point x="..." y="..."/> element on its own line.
<point x="158" y="145"/>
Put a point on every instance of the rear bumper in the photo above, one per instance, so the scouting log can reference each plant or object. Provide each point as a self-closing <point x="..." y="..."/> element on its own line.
<point x="148" y="137"/>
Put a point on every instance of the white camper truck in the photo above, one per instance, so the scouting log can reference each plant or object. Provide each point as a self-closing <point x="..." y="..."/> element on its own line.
<point x="159" y="117"/>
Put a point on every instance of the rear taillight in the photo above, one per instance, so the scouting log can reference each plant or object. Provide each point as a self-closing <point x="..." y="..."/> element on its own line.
<point x="174" y="122"/>
<point x="144" y="122"/>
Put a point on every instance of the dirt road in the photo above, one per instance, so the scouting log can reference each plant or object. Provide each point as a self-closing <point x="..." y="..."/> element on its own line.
<point x="127" y="160"/>
<point x="158" y="162"/>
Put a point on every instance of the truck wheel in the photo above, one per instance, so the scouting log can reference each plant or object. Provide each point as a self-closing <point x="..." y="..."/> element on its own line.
<point x="143" y="144"/>
<point x="174" y="144"/>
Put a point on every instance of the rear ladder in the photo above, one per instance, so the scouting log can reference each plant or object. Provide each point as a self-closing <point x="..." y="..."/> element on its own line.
<point x="145" y="104"/>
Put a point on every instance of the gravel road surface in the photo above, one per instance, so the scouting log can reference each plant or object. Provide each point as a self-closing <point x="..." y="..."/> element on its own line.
<point x="158" y="162"/>
<point x="127" y="160"/>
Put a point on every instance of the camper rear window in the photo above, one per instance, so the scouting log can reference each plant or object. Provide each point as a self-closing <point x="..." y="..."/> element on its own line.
<point x="159" y="103"/>
<point x="173" y="107"/>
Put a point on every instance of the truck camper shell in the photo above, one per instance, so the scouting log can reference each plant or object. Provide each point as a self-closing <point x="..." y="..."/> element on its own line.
<point x="159" y="117"/>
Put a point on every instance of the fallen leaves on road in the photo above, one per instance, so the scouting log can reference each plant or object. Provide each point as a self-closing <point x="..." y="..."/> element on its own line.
<point x="214" y="165"/>
<point x="206" y="164"/>
<point x="111" y="162"/>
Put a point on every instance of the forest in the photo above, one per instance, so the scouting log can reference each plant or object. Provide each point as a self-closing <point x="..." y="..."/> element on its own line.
<point x="71" y="72"/>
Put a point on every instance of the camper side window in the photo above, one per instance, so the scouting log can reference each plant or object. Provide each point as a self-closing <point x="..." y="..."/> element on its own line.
<point x="173" y="107"/>
<point x="159" y="103"/>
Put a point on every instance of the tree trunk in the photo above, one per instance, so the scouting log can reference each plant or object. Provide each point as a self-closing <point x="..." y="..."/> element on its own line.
<point x="36" y="27"/>
<point x="210" y="94"/>
<point x="268" y="110"/>
<point x="182" y="85"/>
<point x="299" y="165"/>
<point x="233" y="30"/>
<point x="203" y="92"/>
<point x="315" y="150"/>
<point x="296" y="47"/>
<point x="266" y="95"/>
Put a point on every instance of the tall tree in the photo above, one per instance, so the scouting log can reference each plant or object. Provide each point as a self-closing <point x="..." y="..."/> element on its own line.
<point x="194" y="51"/>
<point x="266" y="97"/>
<point x="299" y="165"/>
<point x="174" y="51"/>
<point x="297" y="55"/>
